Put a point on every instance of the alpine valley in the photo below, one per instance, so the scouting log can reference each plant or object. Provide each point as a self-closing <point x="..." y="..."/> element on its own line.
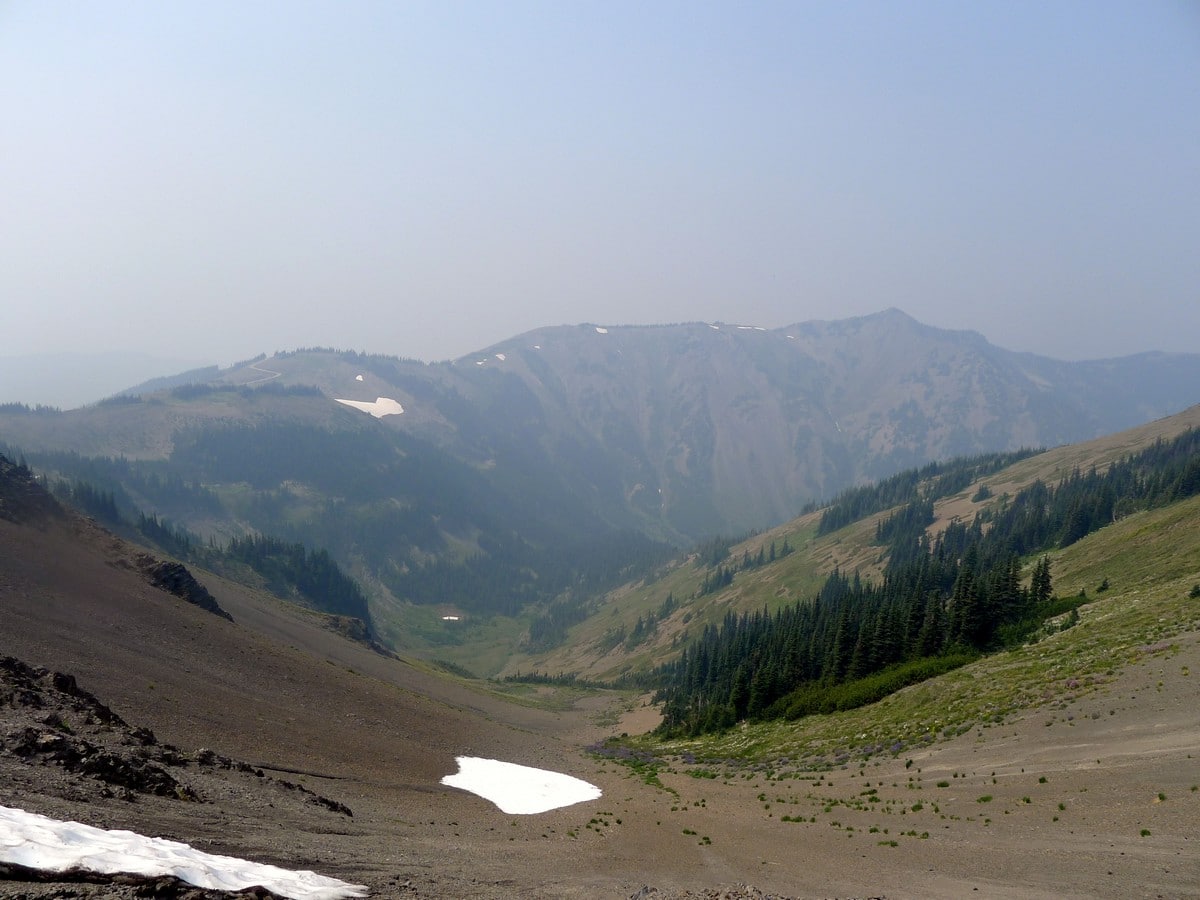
<point x="565" y="461"/>
<point x="855" y="608"/>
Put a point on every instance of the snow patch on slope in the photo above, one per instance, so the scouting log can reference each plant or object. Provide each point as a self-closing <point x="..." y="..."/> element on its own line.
<point x="380" y="407"/>
<point x="519" y="790"/>
<point x="39" y="842"/>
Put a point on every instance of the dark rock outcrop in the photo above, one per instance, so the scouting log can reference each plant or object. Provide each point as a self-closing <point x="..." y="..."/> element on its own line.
<point x="49" y="722"/>
<point x="174" y="578"/>
<point x="22" y="499"/>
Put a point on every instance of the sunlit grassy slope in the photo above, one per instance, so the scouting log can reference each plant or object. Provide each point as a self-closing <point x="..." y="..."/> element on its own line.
<point x="1151" y="561"/>
<point x="591" y="650"/>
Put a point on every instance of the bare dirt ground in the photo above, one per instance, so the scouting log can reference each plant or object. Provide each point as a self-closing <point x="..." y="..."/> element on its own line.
<point x="1097" y="799"/>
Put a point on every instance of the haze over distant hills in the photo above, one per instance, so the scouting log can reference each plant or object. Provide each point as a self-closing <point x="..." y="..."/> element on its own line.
<point x="269" y="737"/>
<point x="557" y="457"/>
<point x="68" y="380"/>
<point x="685" y="430"/>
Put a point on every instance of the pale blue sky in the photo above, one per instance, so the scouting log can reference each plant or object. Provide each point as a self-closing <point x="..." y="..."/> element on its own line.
<point x="427" y="179"/>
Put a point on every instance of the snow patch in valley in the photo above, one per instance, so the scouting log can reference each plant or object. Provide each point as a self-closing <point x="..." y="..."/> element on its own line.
<point x="358" y="378"/>
<point x="519" y="790"/>
<point x="600" y="330"/>
<point x="39" y="842"/>
<point x="501" y="357"/>
<point x="380" y="407"/>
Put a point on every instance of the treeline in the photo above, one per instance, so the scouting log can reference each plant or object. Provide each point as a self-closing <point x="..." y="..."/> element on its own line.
<point x="941" y="602"/>
<point x="429" y="527"/>
<point x="199" y="390"/>
<point x="722" y="575"/>
<point x="40" y="409"/>
<point x="1043" y="516"/>
<point x="550" y="628"/>
<point x="930" y="482"/>
<point x="294" y="568"/>
<point x="287" y="569"/>
<point x="759" y="665"/>
<point x="113" y="489"/>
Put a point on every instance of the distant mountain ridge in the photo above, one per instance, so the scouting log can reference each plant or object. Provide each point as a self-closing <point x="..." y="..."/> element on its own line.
<point x="687" y="430"/>
<point x="228" y="711"/>
<point x="723" y="428"/>
<point x="560" y="463"/>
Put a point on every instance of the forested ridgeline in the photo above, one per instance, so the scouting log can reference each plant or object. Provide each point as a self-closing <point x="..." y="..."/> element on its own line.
<point x="430" y="528"/>
<point x="426" y="525"/>
<point x="127" y="486"/>
<point x="289" y="570"/>
<point x="931" y="482"/>
<point x="941" y="603"/>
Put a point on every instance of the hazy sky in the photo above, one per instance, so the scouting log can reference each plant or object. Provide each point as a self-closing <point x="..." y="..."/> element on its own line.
<point x="211" y="180"/>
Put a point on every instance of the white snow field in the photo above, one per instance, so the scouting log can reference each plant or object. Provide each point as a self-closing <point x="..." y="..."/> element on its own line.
<point x="600" y="330"/>
<point x="519" y="790"/>
<point x="38" y="842"/>
<point x="382" y="406"/>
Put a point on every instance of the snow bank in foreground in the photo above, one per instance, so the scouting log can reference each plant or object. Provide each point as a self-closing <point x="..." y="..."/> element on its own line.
<point x="382" y="406"/>
<point x="39" y="842"/>
<point x="520" y="790"/>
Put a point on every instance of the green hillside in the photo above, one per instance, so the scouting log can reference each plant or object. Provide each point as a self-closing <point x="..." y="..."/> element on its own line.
<point x="595" y="648"/>
<point x="1151" y="561"/>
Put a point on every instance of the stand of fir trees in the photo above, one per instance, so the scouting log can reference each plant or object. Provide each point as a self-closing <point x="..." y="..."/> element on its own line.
<point x="941" y="603"/>
<point x="288" y="569"/>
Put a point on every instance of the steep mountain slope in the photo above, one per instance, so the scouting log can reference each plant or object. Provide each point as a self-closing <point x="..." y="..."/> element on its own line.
<point x="417" y="524"/>
<point x="681" y="431"/>
<point x="675" y="608"/>
<point x="271" y="688"/>
<point x="72" y="596"/>
<point x="1080" y="746"/>
<point x="543" y="468"/>
<point x="721" y="428"/>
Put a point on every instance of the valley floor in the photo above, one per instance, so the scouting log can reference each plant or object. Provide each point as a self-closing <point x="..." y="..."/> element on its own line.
<point x="1092" y="792"/>
<point x="1094" y="799"/>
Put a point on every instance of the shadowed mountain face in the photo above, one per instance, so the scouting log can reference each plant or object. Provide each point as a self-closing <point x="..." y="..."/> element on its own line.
<point x="725" y="427"/>
<point x="77" y="599"/>
<point x="568" y="437"/>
